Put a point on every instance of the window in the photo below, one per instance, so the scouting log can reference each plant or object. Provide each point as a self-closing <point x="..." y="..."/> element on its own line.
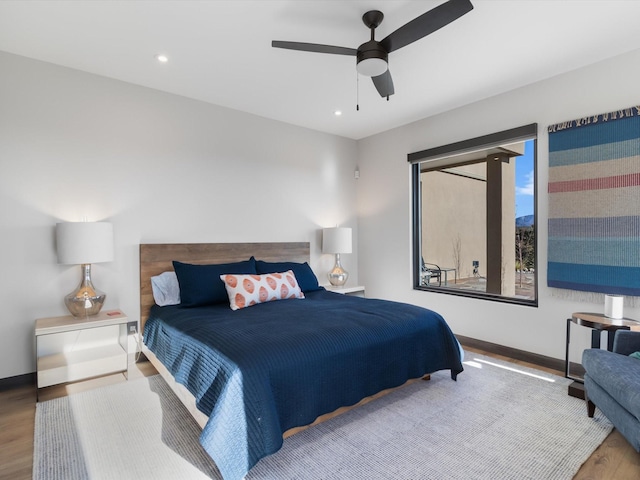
<point x="474" y="217"/>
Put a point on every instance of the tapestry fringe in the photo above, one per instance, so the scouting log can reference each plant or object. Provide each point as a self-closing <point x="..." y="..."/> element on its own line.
<point x="590" y="297"/>
<point x="603" y="117"/>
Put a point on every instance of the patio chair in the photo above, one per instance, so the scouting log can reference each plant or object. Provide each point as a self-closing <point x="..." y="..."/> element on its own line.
<point x="428" y="272"/>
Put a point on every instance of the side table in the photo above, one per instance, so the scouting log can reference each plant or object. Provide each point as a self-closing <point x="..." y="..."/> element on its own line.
<point x="60" y="360"/>
<point x="597" y="322"/>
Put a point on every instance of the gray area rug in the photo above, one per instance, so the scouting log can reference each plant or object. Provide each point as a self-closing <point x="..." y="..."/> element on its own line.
<point x="498" y="421"/>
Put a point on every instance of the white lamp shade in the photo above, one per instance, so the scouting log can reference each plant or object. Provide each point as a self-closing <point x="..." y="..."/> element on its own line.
<point x="84" y="242"/>
<point x="336" y="240"/>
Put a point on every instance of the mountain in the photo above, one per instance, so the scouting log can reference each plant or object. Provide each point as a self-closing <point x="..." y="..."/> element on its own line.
<point x="524" y="221"/>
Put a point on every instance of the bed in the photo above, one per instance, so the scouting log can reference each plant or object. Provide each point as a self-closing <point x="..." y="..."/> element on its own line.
<point x="250" y="375"/>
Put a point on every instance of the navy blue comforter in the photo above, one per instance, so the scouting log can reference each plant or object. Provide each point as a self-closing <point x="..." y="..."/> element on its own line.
<point x="259" y="371"/>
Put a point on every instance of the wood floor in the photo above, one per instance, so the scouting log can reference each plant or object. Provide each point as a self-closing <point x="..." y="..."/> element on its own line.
<point x="615" y="459"/>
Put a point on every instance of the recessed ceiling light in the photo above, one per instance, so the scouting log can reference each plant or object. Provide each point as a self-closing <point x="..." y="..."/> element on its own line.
<point x="337" y="113"/>
<point x="162" y="58"/>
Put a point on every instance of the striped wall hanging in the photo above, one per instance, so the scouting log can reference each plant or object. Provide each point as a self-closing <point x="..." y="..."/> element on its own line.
<point x="594" y="203"/>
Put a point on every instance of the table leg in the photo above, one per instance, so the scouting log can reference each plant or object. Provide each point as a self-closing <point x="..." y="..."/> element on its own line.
<point x="610" y="336"/>
<point x="576" y="388"/>
<point x="566" y="356"/>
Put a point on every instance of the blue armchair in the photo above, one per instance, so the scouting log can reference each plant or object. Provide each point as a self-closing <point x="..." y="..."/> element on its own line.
<point x="612" y="383"/>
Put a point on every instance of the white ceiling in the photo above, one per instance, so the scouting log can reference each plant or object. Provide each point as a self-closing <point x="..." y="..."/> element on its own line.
<point x="220" y="51"/>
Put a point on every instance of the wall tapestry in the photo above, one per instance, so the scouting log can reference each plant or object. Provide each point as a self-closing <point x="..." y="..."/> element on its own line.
<point x="594" y="203"/>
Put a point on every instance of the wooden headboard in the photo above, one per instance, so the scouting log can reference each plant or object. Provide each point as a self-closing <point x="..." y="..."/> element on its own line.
<point x="156" y="258"/>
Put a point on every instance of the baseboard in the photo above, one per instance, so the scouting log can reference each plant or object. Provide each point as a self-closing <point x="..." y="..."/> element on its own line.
<point x="522" y="355"/>
<point x="18" y="381"/>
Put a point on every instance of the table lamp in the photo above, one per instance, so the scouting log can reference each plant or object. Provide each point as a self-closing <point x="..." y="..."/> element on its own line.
<point x="84" y="243"/>
<point x="337" y="240"/>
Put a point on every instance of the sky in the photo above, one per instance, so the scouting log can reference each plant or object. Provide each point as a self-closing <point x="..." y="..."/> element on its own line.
<point x="524" y="181"/>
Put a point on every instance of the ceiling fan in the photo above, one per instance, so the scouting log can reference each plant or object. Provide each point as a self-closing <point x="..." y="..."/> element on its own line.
<point x="372" y="56"/>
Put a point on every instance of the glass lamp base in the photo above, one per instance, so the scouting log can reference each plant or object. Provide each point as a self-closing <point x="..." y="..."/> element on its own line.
<point x="85" y="300"/>
<point x="338" y="276"/>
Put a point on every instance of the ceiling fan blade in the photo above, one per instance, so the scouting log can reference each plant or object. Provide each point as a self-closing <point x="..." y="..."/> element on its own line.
<point x="384" y="84"/>
<point x="314" y="47"/>
<point x="426" y="24"/>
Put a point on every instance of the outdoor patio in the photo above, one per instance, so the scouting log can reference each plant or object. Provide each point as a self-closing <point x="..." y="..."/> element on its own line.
<point x="525" y="290"/>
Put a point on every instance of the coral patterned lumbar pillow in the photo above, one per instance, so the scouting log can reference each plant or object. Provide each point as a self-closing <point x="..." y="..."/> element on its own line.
<point x="247" y="290"/>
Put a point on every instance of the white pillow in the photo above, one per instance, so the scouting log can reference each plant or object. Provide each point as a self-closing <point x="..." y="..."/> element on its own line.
<point x="247" y="290"/>
<point x="166" y="290"/>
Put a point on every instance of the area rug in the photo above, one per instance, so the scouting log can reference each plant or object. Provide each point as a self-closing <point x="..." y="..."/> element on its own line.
<point x="498" y="421"/>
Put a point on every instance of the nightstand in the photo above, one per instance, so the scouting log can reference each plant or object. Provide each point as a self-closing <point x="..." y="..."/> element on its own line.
<point x="69" y="349"/>
<point x="357" y="291"/>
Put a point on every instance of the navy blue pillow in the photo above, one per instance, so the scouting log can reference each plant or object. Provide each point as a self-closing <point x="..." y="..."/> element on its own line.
<point x="201" y="284"/>
<point x="304" y="275"/>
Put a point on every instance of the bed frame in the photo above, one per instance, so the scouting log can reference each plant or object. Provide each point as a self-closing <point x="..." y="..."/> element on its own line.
<point x="158" y="258"/>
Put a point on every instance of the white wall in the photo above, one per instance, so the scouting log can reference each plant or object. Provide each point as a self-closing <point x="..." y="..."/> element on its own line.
<point x="164" y="168"/>
<point x="384" y="195"/>
<point x="161" y="168"/>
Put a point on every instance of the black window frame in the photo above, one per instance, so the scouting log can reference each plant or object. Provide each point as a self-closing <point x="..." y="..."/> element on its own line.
<point x="525" y="132"/>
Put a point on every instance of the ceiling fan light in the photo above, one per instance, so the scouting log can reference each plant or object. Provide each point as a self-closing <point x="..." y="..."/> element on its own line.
<point x="372" y="67"/>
